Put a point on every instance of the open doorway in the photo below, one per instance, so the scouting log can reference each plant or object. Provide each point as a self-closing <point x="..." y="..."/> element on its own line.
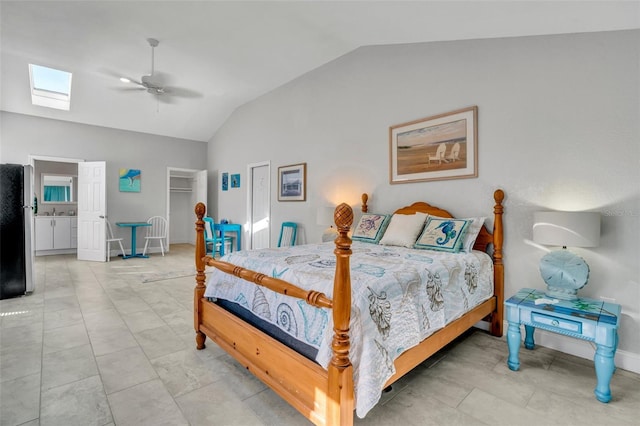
<point x="185" y="188"/>
<point x="54" y="224"/>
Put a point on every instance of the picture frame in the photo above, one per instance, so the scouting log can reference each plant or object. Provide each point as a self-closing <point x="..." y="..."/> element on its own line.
<point x="440" y="147"/>
<point x="292" y="182"/>
<point x="225" y="181"/>
<point x="235" y="181"/>
<point x="129" y="180"/>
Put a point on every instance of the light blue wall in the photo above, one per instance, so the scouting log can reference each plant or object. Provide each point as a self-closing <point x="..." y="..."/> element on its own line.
<point x="558" y="129"/>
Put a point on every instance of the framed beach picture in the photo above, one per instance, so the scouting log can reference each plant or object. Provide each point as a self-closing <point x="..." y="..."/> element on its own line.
<point x="129" y="180"/>
<point x="292" y="182"/>
<point x="443" y="146"/>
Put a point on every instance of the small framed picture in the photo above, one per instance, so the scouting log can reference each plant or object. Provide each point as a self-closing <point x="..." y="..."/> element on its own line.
<point x="235" y="181"/>
<point x="292" y="182"/>
<point x="129" y="180"/>
<point x="225" y="181"/>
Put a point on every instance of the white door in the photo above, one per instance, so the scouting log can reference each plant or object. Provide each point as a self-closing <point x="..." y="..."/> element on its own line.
<point x="201" y="187"/>
<point x="92" y="210"/>
<point x="258" y="205"/>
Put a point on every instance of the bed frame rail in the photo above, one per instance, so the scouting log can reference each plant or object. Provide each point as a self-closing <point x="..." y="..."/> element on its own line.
<point x="312" y="297"/>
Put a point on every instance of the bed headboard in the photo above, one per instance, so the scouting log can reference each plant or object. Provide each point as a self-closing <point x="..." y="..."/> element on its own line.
<point x="484" y="239"/>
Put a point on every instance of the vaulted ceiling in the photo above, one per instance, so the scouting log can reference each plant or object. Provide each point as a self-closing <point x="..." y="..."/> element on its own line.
<point x="215" y="56"/>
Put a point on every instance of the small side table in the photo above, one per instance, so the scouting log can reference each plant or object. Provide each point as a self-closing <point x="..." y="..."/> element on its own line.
<point x="588" y="319"/>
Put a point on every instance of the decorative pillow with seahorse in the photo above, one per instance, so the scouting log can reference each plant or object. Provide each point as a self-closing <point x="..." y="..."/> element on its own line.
<point x="443" y="234"/>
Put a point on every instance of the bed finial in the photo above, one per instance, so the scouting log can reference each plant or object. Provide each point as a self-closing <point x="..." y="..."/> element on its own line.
<point x="365" y="198"/>
<point x="343" y="216"/>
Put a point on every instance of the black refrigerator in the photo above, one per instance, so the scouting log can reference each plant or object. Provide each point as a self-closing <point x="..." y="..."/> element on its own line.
<point x="16" y="219"/>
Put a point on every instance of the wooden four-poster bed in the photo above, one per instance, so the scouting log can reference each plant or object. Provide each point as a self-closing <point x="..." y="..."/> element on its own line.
<point x="326" y="395"/>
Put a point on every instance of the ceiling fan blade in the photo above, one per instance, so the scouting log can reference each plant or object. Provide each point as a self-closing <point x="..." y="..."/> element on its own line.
<point x="129" y="89"/>
<point x="182" y="92"/>
<point x="130" y="80"/>
<point x="109" y="73"/>
<point x="146" y="80"/>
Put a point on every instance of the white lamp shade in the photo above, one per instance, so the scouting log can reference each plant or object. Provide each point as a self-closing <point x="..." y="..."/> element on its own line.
<point x="567" y="229"/>
<point x="325" y="215"/>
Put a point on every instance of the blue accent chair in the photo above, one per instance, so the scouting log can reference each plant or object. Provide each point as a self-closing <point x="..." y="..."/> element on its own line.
<point x="288" y="233"/>
<point x="212" y="239"/>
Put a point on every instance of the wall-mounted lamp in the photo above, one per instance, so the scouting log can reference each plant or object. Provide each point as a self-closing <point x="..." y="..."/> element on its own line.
<point x="564" y="272"/>
<point x="325" y="217"/>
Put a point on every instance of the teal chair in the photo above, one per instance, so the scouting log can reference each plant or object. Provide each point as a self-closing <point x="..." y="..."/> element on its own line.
<point x="288" y="233"/>
<point x="212" y="239"/>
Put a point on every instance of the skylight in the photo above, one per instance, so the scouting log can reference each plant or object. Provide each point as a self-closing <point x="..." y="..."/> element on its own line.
<point x="50" y="87"/>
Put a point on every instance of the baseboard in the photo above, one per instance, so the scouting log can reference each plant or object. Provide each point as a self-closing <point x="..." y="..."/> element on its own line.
<point x="55" y="252"/>
<point x="581" y="348"/>
<point x="116" y="253"/>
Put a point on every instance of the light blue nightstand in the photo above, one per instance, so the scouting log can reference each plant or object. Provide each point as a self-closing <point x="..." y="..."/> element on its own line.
<point x="588" y="319"/>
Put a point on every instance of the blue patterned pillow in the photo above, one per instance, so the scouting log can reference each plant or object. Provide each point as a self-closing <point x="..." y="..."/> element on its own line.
<point x="443" y="234"/>
<point x="370" y="228"/>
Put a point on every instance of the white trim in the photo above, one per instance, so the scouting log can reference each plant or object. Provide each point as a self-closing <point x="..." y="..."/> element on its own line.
<point x="33" y="158"/>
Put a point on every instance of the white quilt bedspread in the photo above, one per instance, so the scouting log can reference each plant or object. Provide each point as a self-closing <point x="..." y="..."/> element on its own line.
<point x="399" y="297"/>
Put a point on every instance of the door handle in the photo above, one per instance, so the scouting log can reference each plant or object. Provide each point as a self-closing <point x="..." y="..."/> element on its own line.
<point x="101" y="217"/>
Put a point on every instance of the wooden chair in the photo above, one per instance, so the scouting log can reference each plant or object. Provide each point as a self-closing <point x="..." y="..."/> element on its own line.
<point x="288" y="233"/>
<point x="112" y="239"/>
<point x="157" y="231"/>
<point x="439" y="156"/>
<point x="212" y="238"/>
<point x="455" y="153"/>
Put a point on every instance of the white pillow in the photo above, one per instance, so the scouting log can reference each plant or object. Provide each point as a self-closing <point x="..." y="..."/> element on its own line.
<point x="473" y="229"/>
<point x="403" y="230"/>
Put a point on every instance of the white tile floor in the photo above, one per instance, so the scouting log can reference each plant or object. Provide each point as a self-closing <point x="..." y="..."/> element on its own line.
<point x="97" y="345"/>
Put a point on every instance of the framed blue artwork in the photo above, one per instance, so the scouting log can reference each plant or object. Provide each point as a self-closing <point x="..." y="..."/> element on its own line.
<point x="129" y="180"/>
<point x="292" y="182"/>
<point x="225" y="181"/>
<point x="235" y="181"/>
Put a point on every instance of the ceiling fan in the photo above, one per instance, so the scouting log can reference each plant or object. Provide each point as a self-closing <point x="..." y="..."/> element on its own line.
<point x="153" y="83"/>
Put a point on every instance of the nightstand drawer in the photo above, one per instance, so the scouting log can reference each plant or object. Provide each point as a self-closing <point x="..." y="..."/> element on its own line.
<point x="560" y="323"/>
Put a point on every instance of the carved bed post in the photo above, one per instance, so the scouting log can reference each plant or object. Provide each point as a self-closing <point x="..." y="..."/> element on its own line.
<point x="365" y="198"/>
<point x="340" y="400"/>
<point x="498" y="266"/>
<point x="198" y="292"/>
